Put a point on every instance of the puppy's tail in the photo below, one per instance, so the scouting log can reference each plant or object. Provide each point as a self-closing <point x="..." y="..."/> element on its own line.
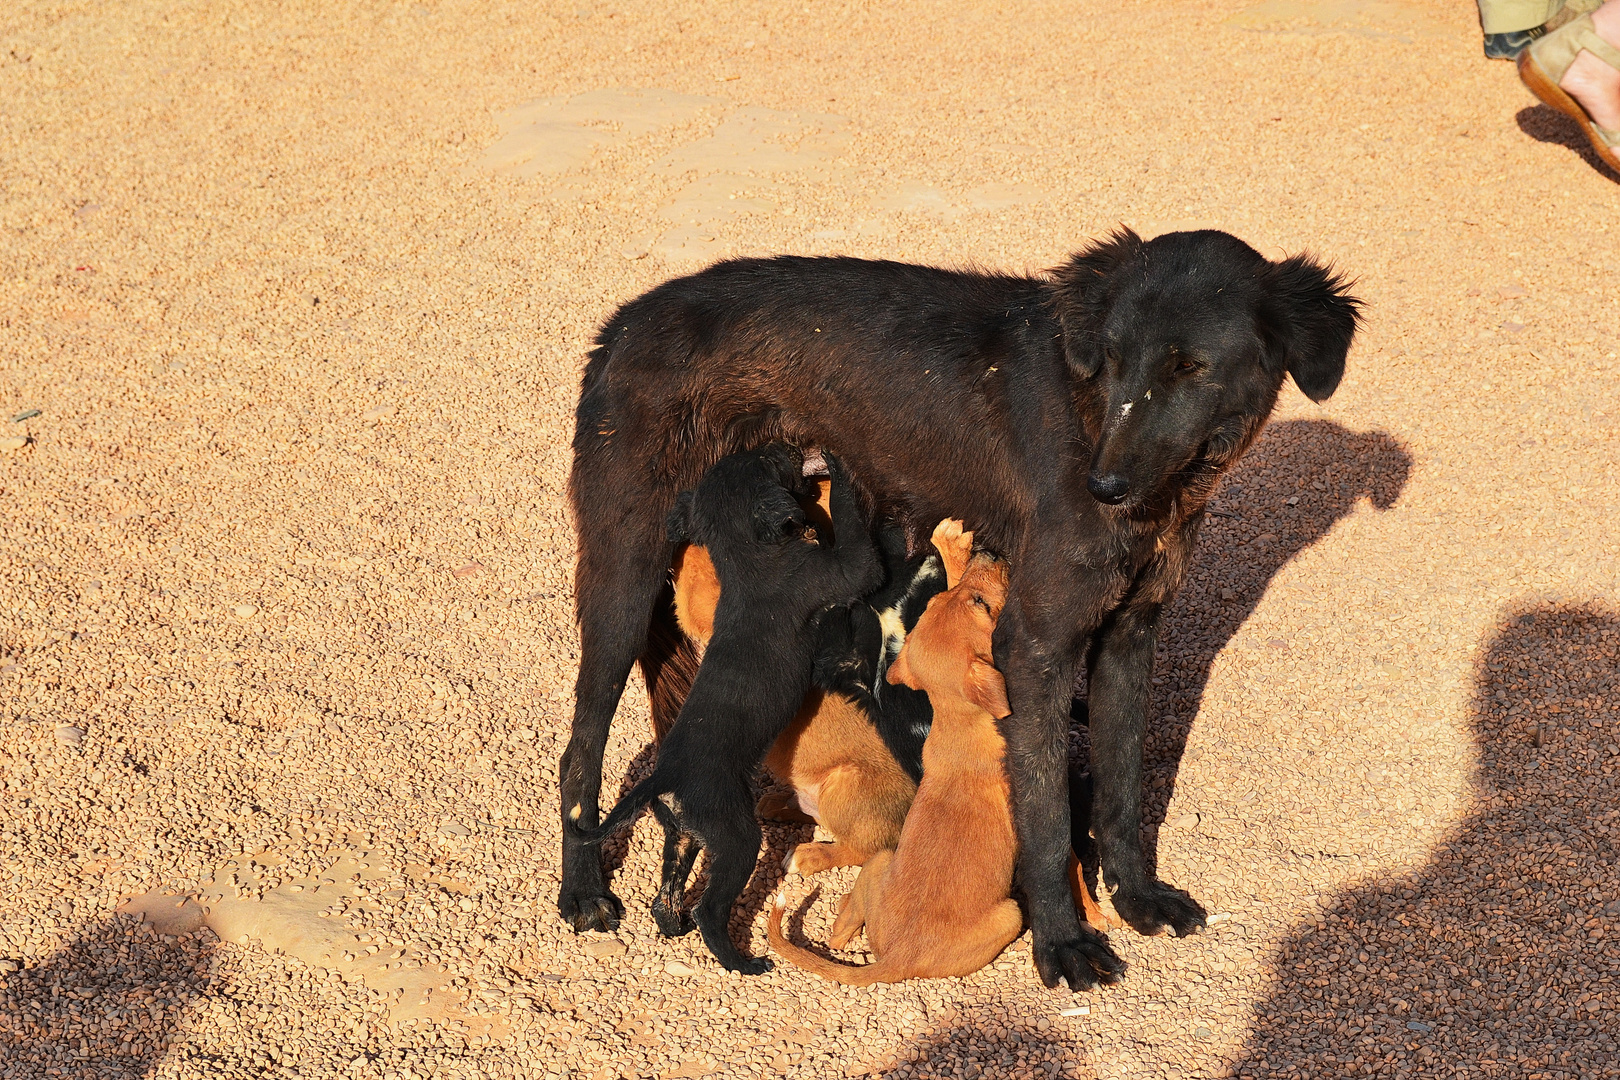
<point x="878" y="971"/>
<point x="629" y="806"/>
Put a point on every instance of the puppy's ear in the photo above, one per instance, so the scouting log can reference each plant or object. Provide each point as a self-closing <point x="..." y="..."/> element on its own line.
<point x="1084" y="290"/>
<point x="778" y="517"/>
<point x="899" y="673"/>
<point x="678" y="526"/>
<point x="1308" y="319"/>
<point x="987" y="689"/>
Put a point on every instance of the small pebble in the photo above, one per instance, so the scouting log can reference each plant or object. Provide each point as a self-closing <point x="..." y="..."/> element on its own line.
<point x="604" y="948"/>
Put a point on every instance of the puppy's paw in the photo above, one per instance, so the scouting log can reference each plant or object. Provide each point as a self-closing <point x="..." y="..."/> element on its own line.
<point x="586" y="912"/>
<point x="750" y="965"/>
<point x="671" y="920"/>
<point x="1159" y="907"/>
<point x="1082" y="962"/>
<point x="806" y="859"/>
<point x="955" y="548"/>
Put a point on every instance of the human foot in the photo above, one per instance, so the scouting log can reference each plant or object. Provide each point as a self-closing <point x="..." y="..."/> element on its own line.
<point x="1590" y="81"/>
<point x="1576" y="70"/>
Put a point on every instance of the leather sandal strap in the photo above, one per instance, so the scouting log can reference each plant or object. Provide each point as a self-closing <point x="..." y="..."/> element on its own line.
<point x="1555" y="52"/>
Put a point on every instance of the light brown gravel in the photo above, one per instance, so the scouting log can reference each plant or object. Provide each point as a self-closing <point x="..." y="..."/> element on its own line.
<point x="285" y="563"/>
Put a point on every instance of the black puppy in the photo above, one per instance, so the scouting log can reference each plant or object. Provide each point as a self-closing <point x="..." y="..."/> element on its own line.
<point x="774" y="577"/>
<point x="1076" y="421"/>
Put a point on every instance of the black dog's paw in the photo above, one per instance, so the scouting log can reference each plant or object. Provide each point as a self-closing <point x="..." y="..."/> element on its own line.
<point x="672" y="921"/>
<point x="1084" y="962"/>
<point x="1159" y="906"/>
<point x="749" y="965"/>
<point x="585" y="911"/>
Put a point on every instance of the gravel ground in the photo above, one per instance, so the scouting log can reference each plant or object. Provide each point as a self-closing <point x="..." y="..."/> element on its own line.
<point x="300" y="294"/>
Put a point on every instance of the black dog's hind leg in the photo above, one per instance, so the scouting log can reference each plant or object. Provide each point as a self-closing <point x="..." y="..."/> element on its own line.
<point x="680" y="853"/>
<point x="733" y="842"/>
<point x="1119" y="680"/>
<point x="618" y="580"/>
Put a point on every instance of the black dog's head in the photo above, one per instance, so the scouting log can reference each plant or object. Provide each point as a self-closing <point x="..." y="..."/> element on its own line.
<point x="1191" y="334"/>
<point x="745" y="499"/>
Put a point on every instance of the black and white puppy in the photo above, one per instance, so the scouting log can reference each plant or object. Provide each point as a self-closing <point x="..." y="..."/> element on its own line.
<point x="775" y="576"/>
<point x="859" y="643"/>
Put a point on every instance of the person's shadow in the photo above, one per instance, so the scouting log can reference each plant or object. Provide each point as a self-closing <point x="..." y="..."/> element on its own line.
<point x="107" y="1004"/>
<point x="1504" y="951"/>
<point x="1548" y="125"/>
<point x="977" y="1043"/>
<point x="1251" y="533"/>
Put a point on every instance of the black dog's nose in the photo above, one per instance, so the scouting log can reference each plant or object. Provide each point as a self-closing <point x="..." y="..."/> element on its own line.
<point x="1108" y="489"/>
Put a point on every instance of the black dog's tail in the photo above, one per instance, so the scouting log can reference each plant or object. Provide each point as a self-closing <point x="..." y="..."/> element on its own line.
<point x="629" y="806"/>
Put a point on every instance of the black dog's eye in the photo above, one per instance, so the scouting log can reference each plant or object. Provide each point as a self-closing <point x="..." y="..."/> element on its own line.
<point x="1185" y="365"/>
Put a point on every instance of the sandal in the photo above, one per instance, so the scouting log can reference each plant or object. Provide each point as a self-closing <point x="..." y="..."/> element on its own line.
<point x="1544" y="63"/>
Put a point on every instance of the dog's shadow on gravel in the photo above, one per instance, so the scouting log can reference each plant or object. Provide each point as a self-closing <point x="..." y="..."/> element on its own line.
<point x="1548" y="125"/>
<point x="1504" y="951"/>
<point x="108" y="1004"/>
<point x="1298" y="481"/>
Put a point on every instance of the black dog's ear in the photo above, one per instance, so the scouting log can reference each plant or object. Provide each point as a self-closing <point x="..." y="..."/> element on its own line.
<point x="777" y="517"/>
<point x="1084" y="290"/>
<point x="1308" y="319"/>
<point x="678" y="526"/>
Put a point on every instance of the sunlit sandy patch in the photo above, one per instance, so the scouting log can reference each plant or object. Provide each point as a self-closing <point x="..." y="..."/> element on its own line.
<point x="303" y="919"/>
<point x="554" y="135"/>
<point x="1363" y="18"/>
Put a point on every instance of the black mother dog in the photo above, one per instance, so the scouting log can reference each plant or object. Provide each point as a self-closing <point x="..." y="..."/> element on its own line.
<point x="1077" y="422"/>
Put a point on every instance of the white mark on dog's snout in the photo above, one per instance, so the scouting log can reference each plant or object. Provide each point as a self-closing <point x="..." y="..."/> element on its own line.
<point x="1120" y="417"/>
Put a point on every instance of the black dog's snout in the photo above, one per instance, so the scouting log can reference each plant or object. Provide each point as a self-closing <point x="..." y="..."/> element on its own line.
<point x="1110" y="489"/>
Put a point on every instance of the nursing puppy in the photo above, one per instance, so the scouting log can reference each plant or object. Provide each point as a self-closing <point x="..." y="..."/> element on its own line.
<point x="939" y="904"/>
<point x="853" y="753"/>
<point x="774" y="575"/>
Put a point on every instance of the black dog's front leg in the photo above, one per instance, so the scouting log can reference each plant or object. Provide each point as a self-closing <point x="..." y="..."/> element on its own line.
<point x="1119" y="681"/>
<point x="1038" y="683"/>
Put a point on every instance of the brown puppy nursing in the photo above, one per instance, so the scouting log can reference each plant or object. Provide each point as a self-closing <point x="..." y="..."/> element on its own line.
<point x="939" y="904"/>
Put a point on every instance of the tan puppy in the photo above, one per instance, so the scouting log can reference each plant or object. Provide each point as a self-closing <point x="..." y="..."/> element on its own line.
<point x="842" y="774"/>
<point x="939" y="904"/>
